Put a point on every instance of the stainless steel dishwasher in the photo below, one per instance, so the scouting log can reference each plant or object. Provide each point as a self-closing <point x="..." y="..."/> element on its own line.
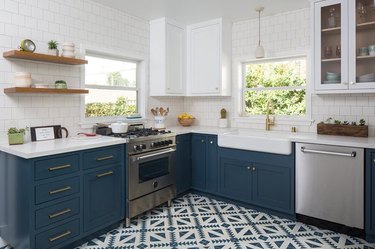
<point x="330" y="183"/>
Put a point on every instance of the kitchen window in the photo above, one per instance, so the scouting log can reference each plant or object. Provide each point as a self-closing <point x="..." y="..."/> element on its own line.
<point x="282" y="81"/>
<point x="113" y="87"/>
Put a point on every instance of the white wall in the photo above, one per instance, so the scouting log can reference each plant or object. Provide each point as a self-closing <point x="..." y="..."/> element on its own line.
<point x="80" y="21"/>
<point x="96" y="26"/>
<point x="283" y="34"/>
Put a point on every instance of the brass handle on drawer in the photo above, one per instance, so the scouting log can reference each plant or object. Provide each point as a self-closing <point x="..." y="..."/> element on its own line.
<point x="68" y="232"/>
<point x="60" y="167"/>
<point x="52" y="192"/>
<point x="51" y="216"/>
<point x="104" y="158"/>
<point x="104" y="174"/>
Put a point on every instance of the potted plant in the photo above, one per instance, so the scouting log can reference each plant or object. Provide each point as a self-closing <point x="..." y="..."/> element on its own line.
<point x="52" y="48"/>
<point x="223" y="121"/>
<point x="15" y="136"/>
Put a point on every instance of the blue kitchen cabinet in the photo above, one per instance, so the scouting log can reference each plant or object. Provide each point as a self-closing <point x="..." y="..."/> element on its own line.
<point x="183" y="165"/>
<point x="205" y="163"/>
<point x="54" y="201"/>
<point x="370" y="196"/>
<point x="235" y="180"/>
<point x="261" y="179"/>
<point x="199" y="167"/>
<point x="102" y="197"/>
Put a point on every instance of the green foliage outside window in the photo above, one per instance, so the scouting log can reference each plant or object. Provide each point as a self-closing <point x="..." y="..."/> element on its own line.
<point x="119" y="108"/>
<point x="276" y="74"/>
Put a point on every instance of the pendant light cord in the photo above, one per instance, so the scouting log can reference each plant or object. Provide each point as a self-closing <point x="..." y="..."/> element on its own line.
<point x="259" y="28"/>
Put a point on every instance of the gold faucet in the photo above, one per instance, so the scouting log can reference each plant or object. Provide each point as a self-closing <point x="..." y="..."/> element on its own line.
<point x="270" y="122"/>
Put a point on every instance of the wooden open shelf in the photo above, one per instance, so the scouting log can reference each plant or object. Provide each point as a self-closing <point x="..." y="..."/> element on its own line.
<point x="366" y="26"/>
<point x="16" y="54"/>
<point x="44" y="90"/>
<point x="331" y="60"/>
<point x="334" y="30"/>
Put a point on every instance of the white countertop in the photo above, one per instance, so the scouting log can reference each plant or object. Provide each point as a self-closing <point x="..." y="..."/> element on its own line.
<point x="58" y="146"/>
<point x="299" y="137"/>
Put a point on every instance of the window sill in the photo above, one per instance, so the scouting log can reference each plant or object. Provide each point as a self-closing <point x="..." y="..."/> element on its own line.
<point x="282" y="120"/>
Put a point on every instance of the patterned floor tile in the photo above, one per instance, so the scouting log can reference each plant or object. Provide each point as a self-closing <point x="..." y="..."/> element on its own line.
<point x="195" y="222"/>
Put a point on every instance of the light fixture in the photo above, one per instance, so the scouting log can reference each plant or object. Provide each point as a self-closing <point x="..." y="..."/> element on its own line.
<point x="259" y="51"/>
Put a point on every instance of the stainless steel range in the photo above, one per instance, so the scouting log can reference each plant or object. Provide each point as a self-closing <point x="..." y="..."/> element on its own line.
<point x="151" y="157"/>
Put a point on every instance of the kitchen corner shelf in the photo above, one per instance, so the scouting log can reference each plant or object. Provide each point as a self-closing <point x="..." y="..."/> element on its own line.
<point x="44" y="90"/>
<point x="16" y="54"/>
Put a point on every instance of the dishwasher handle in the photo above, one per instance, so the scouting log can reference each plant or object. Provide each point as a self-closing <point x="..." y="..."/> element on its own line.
<point x="333" y="153"/>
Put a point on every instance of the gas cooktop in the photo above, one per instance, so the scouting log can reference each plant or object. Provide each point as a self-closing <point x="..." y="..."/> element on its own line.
<point x="140" y="133"/>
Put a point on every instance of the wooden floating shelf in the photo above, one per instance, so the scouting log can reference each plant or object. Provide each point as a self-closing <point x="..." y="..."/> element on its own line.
<point x="44" y="90"/>
<point x="365" y="57"/>
<point x="366" y="25"/>
<point x="331" y="60"/>
<point x="16" y="54"/>
<point x="332" y="30"/>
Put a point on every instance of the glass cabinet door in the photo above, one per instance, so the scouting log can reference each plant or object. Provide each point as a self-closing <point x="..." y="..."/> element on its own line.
<point x="362" y="44"/>
<point x="331" y="45"/>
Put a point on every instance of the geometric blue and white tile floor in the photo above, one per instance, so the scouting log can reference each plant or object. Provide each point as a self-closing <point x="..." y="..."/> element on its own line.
<point x="194" y="221"/>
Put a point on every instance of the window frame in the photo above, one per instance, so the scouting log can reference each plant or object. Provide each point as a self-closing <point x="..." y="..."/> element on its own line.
<point x="282" y="119"/>
<point x="87" y="122"/>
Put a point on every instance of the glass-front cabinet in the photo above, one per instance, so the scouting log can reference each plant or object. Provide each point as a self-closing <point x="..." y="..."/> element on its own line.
<point x="344" y="45"/>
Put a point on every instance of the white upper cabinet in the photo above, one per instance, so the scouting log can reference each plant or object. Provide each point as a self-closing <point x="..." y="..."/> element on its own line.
<point x="343" y="32"/>
<point x="209" y="59"/>
<point x="167" y="58"/>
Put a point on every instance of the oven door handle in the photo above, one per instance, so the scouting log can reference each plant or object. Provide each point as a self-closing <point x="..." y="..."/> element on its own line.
<point x="155" y="154"/>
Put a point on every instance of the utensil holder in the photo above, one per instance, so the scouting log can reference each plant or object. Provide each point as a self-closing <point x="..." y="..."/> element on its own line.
<point x="159" y="122"/>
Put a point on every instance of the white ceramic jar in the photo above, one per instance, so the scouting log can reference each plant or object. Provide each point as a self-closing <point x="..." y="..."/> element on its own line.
<point x="22" y="79"/>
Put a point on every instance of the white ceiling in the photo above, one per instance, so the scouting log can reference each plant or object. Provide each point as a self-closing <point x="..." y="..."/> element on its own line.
<point x="192" y="11"/>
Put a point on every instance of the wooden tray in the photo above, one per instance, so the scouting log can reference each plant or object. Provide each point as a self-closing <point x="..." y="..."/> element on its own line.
<point x="342" y="130"/>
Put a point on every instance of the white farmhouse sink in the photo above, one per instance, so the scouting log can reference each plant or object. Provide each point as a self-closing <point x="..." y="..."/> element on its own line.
<point x="263" y="141"/>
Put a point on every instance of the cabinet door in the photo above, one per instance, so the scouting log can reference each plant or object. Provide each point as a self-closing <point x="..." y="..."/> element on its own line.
<point x="183" y="168"/>
<point x="272" y="187"/>
<point x="175" y="58"/>
<point x="331" y="45"/>
<point x="199" y="153"/>
<point x="205" y="59"/>
<point x="361" y="37"/>
<point x="370" y="195"/>
<point x="103" y="197"/>
<point x="212" y="165"/>
<point x="235" y="179"/>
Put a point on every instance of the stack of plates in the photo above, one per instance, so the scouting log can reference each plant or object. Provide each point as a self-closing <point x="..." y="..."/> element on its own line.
<point x="366" y="78"/>
<point x="332" y="78"/>
<point x="68" y="49"/>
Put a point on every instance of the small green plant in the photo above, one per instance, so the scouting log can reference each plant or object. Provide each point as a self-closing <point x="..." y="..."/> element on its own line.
<point x="14" y="130"/>
<point x="223" y="113"/>
<point x="354" y="123"/>
<point x="362" y="122"/>
<point x="52" y="44"/>
<point x="60" y="81"/>
<point x="337" y="122"/>
<point x="345" y="123"/>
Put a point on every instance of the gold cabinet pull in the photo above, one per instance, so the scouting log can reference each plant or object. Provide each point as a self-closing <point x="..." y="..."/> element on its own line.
<point x="51" y="216"/>
<point x="65" y="166"/>
<point x="56" y="191"/>
<point x="104" y="158"/>
<point x="68" y="232"/>
<point x="104" y="174"/>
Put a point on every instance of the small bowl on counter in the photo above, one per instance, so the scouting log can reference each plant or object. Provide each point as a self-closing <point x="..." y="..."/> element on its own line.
<point x="186" y="121"/>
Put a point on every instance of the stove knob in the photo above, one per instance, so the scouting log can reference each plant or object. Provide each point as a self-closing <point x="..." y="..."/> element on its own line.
<point x="136" y="147"/>
<point x="143" y="146"/>
<point x="165" y="143"/>
<point x="158" y="144"/>
<point x="170" y="141"/>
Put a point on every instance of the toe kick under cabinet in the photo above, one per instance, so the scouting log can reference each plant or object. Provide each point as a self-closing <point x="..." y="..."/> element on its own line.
<point x="54" y="201"/>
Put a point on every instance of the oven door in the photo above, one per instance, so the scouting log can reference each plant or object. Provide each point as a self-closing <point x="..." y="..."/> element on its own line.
<point x="151" y="171"/>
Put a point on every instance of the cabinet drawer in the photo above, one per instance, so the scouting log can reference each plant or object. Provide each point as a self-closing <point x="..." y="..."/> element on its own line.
<point x="55" y="190"/>
<point x="58" y="212"/>
<point x="56" y="166"/>
<point x="56" y="236"/>
<point x="101" y="157"/>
